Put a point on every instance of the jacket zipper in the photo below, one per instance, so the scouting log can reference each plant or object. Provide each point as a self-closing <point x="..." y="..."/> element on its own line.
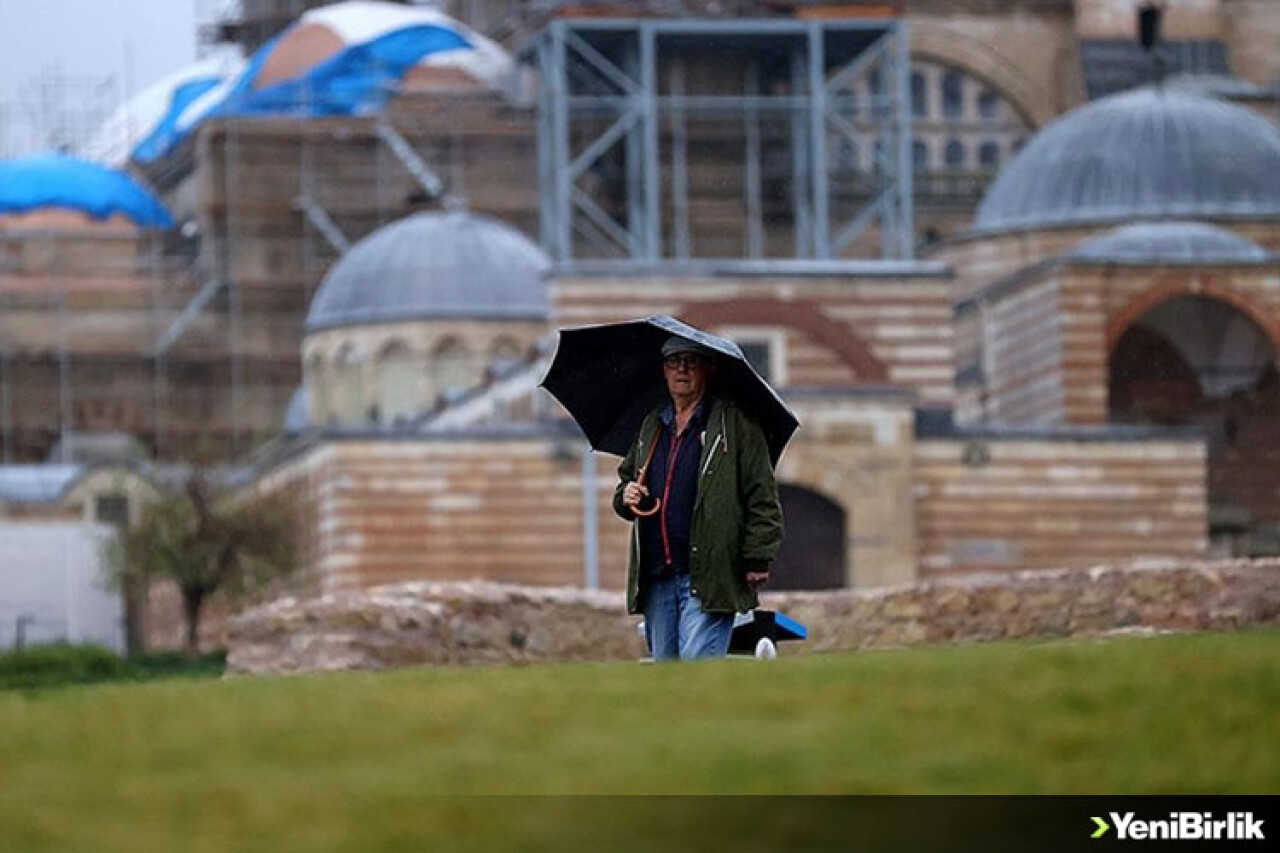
<point x="711" y="455"/>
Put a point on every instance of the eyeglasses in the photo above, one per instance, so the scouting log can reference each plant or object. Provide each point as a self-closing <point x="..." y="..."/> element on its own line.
<point x="688" y="361"/>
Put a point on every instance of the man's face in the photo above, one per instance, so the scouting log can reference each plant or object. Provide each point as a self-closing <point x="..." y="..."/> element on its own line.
<point x="687" y="374"/>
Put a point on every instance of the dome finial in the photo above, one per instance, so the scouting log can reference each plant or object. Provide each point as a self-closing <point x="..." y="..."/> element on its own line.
<point x="1150" y="16"/>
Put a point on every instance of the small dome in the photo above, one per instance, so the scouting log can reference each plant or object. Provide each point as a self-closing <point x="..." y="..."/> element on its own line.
<point x="60" y="182"/>
<point x="1142" y="154"/>
<point x="431" y="266"/>
<point x="1170" y="243"/>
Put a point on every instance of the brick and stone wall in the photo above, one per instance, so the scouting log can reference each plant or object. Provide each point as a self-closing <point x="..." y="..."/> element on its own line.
<point x="503" y="509"/>
<point x="482" y="623"/>
<point x="1007" y="504"/>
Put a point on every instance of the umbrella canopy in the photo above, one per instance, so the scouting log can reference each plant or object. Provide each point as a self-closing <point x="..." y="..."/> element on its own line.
<point x="59" y="181"/>
<point x="609" y="377"/>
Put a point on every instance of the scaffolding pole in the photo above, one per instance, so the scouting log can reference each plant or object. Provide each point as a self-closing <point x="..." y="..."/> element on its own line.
<point x="800" y="151"/>
<point x="819" y="173"/>
<point x="235" y="317"/>
<point x="906" y="208"/>
<point x="752" y="176"/>
<point x="652" y="156"/>
<point x="679" y="165"/>
<point x="64" y="380"/>
<point x="6" y="402"/>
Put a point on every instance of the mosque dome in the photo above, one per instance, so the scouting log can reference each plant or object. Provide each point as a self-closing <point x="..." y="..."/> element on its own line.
<point x="1170" y="243"/>
<point x="1147" y="153"/>
<point x="57" y="182"/>
<point x="434" y="266"/>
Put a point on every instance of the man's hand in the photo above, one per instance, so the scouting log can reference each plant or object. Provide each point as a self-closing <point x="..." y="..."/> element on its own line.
<point x="755" y="579"/>
<point x="632" y="494"/>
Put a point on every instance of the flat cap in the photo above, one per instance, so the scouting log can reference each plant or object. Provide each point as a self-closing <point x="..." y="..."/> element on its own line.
<point x="676" y="344"/>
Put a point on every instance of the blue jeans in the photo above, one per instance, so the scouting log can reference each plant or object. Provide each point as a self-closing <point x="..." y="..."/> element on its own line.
<point x="675" y="626"/>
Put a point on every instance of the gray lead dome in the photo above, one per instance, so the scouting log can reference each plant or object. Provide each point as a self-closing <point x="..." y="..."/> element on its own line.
<point x="1147" y="153"/>
<point x="454" y="265"/>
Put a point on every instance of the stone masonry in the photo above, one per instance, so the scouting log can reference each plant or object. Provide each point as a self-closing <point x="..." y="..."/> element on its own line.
<point x="488" y="623"/>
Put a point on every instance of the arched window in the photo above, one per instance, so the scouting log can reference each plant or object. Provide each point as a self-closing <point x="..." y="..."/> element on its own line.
<point x="954" y="154"/>
<point x="814" y="555"/>
<point x="919" y="155"/>
<point x="989" y="155"/>
<point x="317" y="379"/>
<point x="988" y="104"/>
<point x="452" y="367"/>
<point x="348" y="391"/>
<point x="919" y="95"/>
<point x="400" y="393"/>
<point x="952" y="94"/>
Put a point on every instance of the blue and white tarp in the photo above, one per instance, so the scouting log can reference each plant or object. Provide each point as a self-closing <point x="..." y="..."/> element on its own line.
<point x="147" y="122"/>
<point x="376" y="45"/>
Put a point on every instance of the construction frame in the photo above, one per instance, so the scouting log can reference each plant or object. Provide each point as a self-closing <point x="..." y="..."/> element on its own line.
<point x="617" y="87"/>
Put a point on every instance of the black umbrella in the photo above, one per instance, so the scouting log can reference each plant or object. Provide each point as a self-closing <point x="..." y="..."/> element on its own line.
<point x="609" y="377"/>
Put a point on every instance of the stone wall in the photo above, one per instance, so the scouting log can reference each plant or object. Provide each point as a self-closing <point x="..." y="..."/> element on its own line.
<point x="1144" y="596"/>
<point x="486" y="623"/>
<point x="412" y="624"/>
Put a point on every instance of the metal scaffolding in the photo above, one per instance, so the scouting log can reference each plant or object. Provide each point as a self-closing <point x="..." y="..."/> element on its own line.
<point x="614" y="135"/>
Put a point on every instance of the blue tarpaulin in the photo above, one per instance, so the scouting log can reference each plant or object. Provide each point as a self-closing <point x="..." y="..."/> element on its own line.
<point x="355" y="81"/>
<point x="358" y="79"/>
<point x="166" y="134"/>
<point x="58" y="181"/>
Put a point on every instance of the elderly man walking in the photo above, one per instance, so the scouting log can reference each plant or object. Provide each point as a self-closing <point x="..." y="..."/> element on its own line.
<point x="699" y="485"/>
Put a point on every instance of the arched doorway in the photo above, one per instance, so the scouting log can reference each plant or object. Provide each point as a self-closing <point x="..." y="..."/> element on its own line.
<point x="1200" y="361"/>
<point x="813" y="548"/>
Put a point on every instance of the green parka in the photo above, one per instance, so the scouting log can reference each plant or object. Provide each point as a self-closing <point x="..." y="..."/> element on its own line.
<point x="737" y="520"/>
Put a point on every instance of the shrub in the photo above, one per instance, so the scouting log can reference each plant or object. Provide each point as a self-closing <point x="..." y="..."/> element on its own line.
<point x="154" y="665"/>
<point x="51" y="666"/>
<point x="57" y="665"/>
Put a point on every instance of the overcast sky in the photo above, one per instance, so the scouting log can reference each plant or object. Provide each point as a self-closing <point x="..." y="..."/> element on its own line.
<point x="83" y="40"/>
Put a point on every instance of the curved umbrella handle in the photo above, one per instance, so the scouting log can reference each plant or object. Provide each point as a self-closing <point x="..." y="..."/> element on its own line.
<point x="657" y="503"/>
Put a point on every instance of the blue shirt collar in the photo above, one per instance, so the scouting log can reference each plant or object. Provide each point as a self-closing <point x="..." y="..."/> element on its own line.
<point x="668" y="413"/>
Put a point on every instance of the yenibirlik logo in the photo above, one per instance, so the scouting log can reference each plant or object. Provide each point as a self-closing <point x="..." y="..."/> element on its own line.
<point x="1183" y="826"/>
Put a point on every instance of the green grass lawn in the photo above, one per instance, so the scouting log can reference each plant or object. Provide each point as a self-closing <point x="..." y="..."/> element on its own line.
<point x="347" y="760"/>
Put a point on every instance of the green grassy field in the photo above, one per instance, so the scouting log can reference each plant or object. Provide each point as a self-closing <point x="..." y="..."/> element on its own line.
<point x="317" y="762"/>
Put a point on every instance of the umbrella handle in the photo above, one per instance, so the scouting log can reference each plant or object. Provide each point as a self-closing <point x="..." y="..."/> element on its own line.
<point x="657" y="503"/>
<point x="643" y="474"/>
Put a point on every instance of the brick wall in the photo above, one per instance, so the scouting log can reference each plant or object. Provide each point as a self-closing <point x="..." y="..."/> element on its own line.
<point x="502" y="509"/>
<point x="1019" y="504"/>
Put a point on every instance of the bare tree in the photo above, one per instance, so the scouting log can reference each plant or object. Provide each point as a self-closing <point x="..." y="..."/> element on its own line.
<point x="207" y="543"/>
